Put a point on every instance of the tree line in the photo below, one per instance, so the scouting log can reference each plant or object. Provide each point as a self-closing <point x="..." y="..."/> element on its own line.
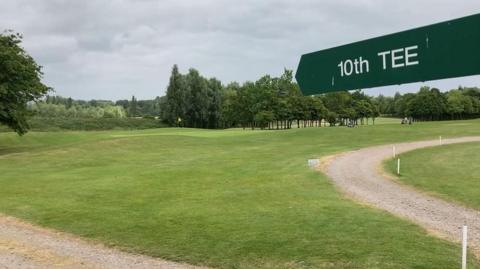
<point x="268" y="103"/>
<point x="61" y="107"/>
<point x="192" y="100"/>
<point x="430" y="104"/>
<point x="142" y="108"/>
<point x="195" y="101"/>
<point x="58" y="106"/>
<point x="59" y="113"/>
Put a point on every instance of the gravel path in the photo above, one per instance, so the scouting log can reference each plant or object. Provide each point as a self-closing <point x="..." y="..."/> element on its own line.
<point x="29" y="247"/>
<point x="359" y="175"/>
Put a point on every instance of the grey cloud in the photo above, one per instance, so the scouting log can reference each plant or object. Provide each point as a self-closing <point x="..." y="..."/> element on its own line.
<point x="112" y="49"/>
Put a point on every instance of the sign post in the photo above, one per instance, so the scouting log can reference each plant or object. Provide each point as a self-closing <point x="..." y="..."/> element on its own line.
<point x="398" y="166"/>
<point x="443" y="50"/>
<point x="464" y="246"/>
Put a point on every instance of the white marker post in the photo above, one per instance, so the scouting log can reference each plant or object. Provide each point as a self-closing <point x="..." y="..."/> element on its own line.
<point x="464" y="247"/>
<point x="398" y="166"/>
<point x="394" y="151"/>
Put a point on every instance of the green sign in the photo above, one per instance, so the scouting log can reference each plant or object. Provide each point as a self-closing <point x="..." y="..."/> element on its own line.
<point x="444" y="50"/>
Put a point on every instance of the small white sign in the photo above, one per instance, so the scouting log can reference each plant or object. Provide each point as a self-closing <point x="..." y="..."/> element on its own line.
<point x="312" y="163"/>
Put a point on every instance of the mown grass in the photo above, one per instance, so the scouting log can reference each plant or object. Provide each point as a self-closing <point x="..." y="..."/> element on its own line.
<point x="227" y="199"/>
<point x="451" y="172"/>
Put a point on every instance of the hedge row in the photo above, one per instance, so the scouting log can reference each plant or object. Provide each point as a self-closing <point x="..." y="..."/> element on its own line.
<point x="91" y="124"/>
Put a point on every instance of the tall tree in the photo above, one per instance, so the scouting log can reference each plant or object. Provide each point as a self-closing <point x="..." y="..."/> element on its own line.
<point x="197" y="100"/>
<point x="20" y="82"/>
<point x="132" y="110"/>
<point x="214" y="103"/>
<point x="176" y="98"/>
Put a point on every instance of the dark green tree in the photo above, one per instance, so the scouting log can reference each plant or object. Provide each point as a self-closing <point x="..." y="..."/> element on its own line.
<point x="20" y="82"/>
<point x="176" y="107"/>
<point x="197" y="100"/>
<point x="214" y="93"/>
<point x="132" y="110"/>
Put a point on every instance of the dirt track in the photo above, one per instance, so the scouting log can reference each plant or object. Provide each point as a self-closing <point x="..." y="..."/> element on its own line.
<point x="28" y="247"/>
<point x="359" y="175"/>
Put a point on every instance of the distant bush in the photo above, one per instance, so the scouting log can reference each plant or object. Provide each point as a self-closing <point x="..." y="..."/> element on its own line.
<point x="100" y="110"/>
<point x="90" y="124"/>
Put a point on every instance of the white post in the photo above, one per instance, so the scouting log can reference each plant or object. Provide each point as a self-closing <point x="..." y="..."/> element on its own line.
<point x="398" y="166"/>
<point x="394" y="151"/>
<point x="464" y="247"/>
<point x="440" y="140"/>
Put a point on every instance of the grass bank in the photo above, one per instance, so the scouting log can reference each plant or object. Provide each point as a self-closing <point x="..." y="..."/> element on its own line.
<point x="227" y="199"/>
<point x="451" y="172"/>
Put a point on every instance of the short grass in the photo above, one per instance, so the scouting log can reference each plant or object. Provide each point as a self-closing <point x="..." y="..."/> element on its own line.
<point x="389" y="120"/>
<point x="227" y="199"/>
<point x="450" y="171"/>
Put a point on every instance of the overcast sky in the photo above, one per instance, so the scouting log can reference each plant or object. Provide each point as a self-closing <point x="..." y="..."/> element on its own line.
<point x="113" y="49"/>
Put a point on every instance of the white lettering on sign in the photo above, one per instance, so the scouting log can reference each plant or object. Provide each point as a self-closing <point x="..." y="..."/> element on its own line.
<point x="384" y="57"/>
<point x="348" y="67"/>
<point x="391" y="59"/>
<point x="359" y="66"/>
<point x="399" y="57"/>
<point x="409" y="55"/>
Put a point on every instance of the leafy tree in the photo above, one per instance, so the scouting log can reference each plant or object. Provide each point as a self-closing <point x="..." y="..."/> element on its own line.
<point x="214" y="93"/>
<point x="332" y="118"/>
<point x="228" y="111"/>
<point x="176" y="98"/>
<point x="375" y="112"/>
<point x="385" y="104"/>
<point x="455" y="103"/>
<point x="339" y="102"/>
<point x="20" y="82"/>
<point x="113" y="112"/>
<point x="318" y="112"/>
<point x="428" y="104"/>
<point x="264" y="118"/>
<point x="69" y="103"/>
<point x="122" y="103"/>
<point x="132" y="112"/>
<point x="197" y="100"/>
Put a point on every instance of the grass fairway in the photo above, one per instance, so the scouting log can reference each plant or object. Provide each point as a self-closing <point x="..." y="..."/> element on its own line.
<point x="451" y="172"/>
<point x="228" y="199"/>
